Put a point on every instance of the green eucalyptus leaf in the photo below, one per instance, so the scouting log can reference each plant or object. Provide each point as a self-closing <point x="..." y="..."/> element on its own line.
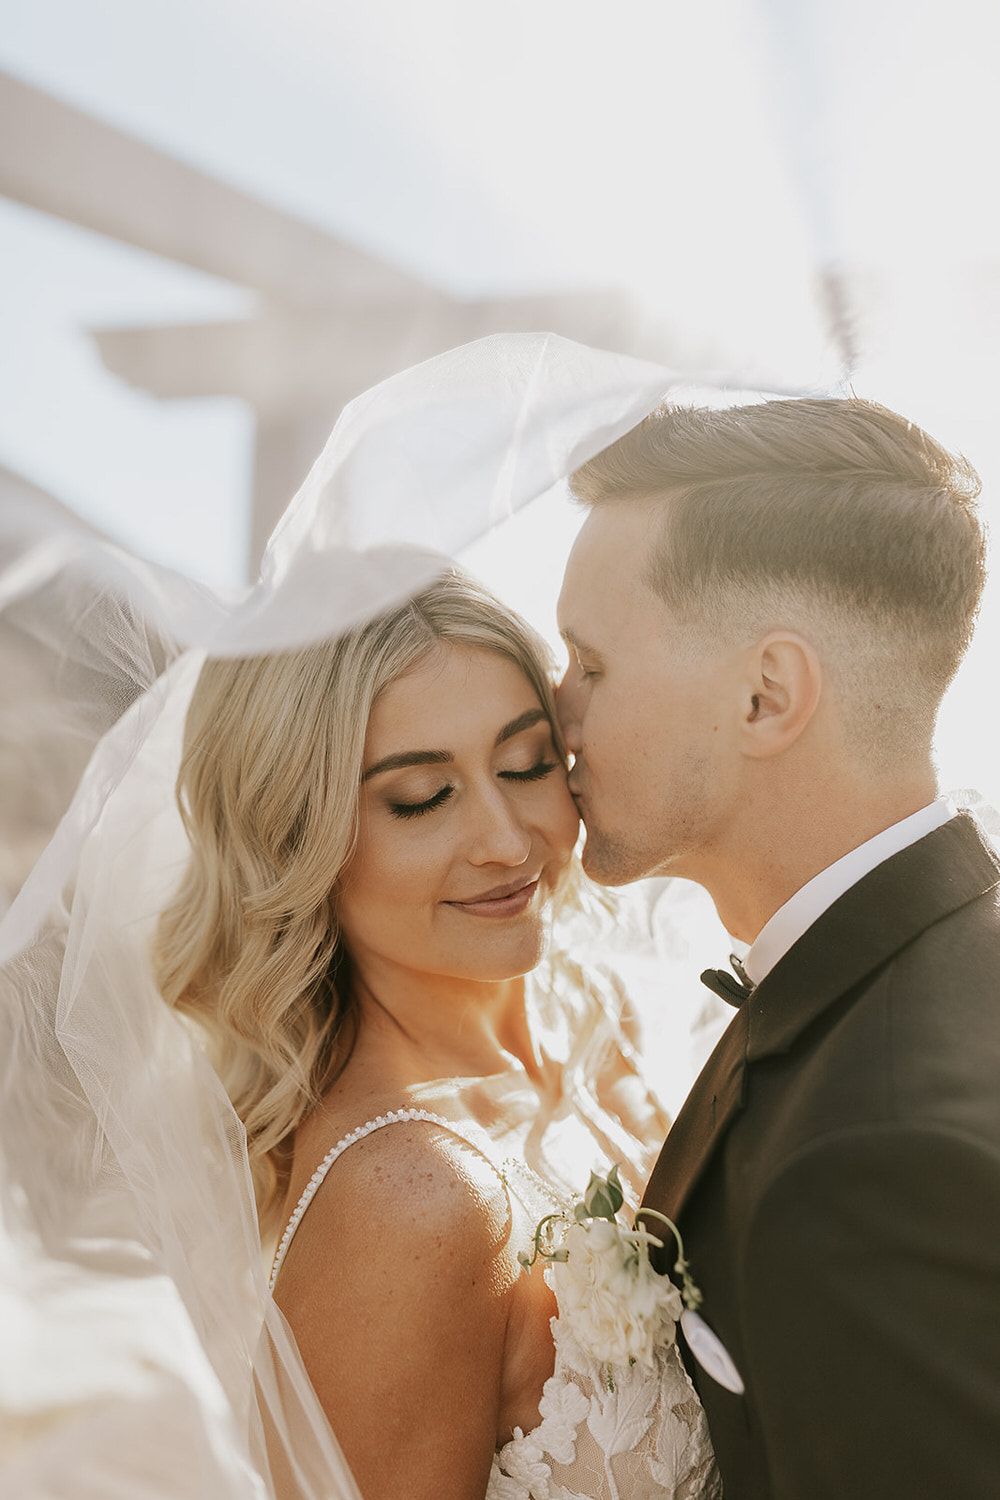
<point x="599" y="1198"/>
<point x="593" y="1186"/>
<point x="604" y="1195"/>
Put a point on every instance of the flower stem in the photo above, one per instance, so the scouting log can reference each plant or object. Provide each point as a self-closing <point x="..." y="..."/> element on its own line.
<point x="538" y="1249"/>
<point x="690" y="1291"/>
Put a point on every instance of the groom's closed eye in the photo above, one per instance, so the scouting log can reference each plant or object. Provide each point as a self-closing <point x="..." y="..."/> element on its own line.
<point x="586" y="665"/>
<point x="583" y="656"/>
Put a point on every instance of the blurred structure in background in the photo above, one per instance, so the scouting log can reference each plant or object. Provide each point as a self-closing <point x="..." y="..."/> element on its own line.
<point x="331" y="321"/>
<point x="224" y="220"/>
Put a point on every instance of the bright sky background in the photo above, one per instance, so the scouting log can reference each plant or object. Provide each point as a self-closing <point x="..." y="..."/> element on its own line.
<point x="703" y="156"/>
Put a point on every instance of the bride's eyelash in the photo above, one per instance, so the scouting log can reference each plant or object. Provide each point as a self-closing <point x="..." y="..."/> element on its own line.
<point x="414" y="809"/>
<point x="536" y="772"/>
<point x="541" y="769"/>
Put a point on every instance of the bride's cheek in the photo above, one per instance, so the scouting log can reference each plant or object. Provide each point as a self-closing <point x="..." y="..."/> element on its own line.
<point x="564" y="820"/>
<point x="379" y="873"/>
<point x="408" y="869"/>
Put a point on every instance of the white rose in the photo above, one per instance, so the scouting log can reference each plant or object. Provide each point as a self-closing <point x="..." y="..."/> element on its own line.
<point x="615" y="1305"/>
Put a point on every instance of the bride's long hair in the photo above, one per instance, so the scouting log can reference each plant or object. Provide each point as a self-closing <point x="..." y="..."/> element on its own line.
<point x="268" y="790"/>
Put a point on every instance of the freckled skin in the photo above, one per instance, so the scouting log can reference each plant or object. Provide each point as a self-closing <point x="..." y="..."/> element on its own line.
<point x="393" y="902"/>
<point x="424" y="1341"/>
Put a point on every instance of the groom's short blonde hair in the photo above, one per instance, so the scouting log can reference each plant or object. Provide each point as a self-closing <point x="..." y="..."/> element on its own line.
<point x="835" y="517"/>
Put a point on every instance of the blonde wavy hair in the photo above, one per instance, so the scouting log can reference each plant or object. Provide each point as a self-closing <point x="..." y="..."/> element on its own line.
<point x="269" y="791"/>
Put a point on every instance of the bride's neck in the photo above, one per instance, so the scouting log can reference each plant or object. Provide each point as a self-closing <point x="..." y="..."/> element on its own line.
<point x="454" y="1027"/>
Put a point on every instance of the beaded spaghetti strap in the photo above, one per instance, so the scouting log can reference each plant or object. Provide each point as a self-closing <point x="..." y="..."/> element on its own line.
<point x="394" y="1117"/>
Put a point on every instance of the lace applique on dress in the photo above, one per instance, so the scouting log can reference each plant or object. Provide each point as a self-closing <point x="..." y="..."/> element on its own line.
<point x="639" y="1435"/>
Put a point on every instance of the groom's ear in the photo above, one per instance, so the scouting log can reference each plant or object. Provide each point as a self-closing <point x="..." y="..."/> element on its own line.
<point x="780" y="692"/>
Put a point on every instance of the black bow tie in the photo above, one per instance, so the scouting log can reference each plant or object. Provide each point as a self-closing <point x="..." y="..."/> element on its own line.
<point x="726" y="985"/>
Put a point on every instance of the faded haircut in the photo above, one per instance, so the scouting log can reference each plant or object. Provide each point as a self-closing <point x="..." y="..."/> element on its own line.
<point x="837" y="518"/>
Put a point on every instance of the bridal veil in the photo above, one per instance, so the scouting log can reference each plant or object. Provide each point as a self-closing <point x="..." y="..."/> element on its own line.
<point x="141" y="1353"/>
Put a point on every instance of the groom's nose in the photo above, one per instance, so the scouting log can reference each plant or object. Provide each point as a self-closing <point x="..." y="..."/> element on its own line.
<point x="568" y="709"/>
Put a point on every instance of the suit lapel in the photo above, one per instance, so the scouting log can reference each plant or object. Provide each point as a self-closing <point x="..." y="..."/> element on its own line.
<point x="717" y="1096"/>
<point x="891" y="906"/>
<point x="888" y="908"/>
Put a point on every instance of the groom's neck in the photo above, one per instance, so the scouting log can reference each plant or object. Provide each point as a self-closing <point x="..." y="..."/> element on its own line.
<point x="779" y="841"/>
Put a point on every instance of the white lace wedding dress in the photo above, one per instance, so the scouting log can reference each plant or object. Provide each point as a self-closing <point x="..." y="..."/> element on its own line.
<point x="613" y="1433"/>
<point x="606" y="1433"/>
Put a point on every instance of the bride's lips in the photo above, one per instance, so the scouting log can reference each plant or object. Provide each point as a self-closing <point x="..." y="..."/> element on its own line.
<point x="502" y="901"/>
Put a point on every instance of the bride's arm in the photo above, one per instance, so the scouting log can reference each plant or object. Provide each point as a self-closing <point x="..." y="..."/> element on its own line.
<point x="397" y="1288"/>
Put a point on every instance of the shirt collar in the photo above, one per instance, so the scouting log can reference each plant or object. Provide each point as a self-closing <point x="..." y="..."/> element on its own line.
<point x="817" y="895"/>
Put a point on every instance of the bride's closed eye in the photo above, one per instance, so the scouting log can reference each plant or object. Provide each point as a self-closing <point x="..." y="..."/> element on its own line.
<point x="537" y="772"/>
<point x="414" y="809"/>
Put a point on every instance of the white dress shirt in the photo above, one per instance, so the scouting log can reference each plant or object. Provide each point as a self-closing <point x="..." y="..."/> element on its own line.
<point x="812" y="900"/>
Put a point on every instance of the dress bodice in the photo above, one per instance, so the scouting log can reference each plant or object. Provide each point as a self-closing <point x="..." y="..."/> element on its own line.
<point x="606" y="1433"/>
<point x="610" y="1432"/>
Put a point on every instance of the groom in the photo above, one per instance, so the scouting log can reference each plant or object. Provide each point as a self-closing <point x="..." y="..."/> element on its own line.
<point x="763" y="610"/>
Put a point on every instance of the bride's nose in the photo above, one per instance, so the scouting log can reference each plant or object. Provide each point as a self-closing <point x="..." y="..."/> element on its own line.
<point x="498" y="836"/>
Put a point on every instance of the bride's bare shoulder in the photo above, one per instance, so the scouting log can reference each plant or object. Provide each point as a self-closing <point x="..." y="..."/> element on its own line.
<point x="398" y="1288"/>
<point x="411" y="1187"/>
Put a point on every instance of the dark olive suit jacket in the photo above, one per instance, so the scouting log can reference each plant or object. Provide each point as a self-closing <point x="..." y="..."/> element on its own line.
<point x="836" y="1176"/>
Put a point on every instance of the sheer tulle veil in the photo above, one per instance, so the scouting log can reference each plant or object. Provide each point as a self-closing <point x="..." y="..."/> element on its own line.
<point x="141" y="1352"/>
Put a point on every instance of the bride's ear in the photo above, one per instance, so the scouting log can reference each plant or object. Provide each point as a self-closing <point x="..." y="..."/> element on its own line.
<point x="781" y="691"/>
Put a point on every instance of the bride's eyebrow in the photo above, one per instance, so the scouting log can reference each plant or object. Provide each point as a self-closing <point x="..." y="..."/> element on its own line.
<point x="408" y="758"/>
<point x="523" y="721"/>
<point x="405" y="758"/>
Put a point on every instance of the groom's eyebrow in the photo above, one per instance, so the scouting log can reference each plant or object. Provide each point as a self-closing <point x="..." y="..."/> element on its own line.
<point x="403" y="758"/>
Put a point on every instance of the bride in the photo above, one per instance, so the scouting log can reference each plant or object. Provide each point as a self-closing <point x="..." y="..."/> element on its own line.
<point x="348" y="916"/>
<point x="381" y="831"/>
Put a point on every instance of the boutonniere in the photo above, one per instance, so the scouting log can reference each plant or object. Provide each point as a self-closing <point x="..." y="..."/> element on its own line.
<point x="619" y="1308"/>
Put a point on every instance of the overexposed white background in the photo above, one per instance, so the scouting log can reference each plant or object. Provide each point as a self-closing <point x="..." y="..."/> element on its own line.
<point x="710" y="160"/>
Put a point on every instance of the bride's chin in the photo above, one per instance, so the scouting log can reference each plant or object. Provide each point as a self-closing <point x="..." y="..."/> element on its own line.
<point x="515" y="952"/>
